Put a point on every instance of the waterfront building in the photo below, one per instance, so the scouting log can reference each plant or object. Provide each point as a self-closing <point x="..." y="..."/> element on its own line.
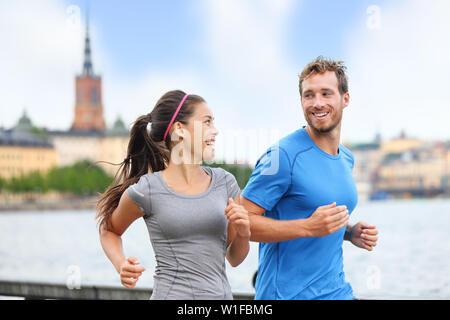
<point x="22" y="152"/>
<point x="89" y="138"/>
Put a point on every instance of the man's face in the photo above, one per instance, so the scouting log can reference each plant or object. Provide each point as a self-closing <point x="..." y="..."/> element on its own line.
<point x="322" y="102"/>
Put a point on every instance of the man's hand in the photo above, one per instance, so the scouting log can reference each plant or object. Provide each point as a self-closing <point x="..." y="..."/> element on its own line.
<point x="364" y="235"/>
<point x="326" y="220"/>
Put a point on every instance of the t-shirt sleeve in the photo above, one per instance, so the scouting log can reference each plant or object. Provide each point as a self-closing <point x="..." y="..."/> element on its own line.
<point x="233" y="189"/>
<point x="139" y="193"/>
<point x="270" y="179"/>
<point x="352" y="159"/>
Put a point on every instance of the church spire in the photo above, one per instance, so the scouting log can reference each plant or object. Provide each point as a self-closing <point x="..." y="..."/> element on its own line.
<point x="87" y="65"/>
<point x="88" y="94"/>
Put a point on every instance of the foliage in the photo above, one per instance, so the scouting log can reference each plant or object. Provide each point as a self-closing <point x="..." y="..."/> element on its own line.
<point x="85" y="178"/>
<point x="2" y="184"/>
<point x="39" y="132"/>
<point x="82" y="178"/>
<point x="242" y="173"/>
<point x="33" y="181"/>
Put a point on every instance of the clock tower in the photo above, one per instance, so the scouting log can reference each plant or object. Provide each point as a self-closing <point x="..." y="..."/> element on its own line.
<point x="88" y="96"/>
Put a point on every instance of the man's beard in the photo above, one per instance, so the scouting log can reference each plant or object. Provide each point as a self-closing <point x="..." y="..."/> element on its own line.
<point x="324" y="130"/>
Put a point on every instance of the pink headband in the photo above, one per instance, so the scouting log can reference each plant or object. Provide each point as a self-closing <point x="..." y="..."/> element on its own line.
<point x="174" y="116"/>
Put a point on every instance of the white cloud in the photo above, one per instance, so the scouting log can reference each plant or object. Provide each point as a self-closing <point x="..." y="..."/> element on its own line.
<point x="39" y="58"/>
<point x="255" y="86"/>
<point x="245" y="41"/>
<point x="250" y="86"/>
<point x="400" y="73"/>
<point x="42" y="52"/>
<point x="129" y="100"/>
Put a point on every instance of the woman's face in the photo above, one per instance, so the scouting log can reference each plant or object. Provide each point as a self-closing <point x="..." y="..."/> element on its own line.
<point x="198" y="136"/>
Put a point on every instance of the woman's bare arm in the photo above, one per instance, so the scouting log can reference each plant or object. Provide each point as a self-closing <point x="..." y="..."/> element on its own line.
<point x="238" y="232"/>
<point x="110" y="238"/>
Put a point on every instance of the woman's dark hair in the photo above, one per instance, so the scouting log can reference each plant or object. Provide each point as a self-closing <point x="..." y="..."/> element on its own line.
<point x="146" y="149"/>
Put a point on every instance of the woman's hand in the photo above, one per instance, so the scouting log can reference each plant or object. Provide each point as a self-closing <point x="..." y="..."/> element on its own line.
<point x="237" y="216"/>
<point x="130" y="272"/>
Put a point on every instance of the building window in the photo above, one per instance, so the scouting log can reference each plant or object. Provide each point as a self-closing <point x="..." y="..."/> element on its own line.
<point x="87" y="118"/>
<point x="79" y="95"/>
<point x="94" y="96"/>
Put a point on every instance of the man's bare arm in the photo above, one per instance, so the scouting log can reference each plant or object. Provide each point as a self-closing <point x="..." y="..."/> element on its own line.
<point x="324" y="221"/>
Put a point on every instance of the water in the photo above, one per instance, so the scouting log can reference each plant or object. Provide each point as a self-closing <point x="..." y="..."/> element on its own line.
<point x="411" y="260"/>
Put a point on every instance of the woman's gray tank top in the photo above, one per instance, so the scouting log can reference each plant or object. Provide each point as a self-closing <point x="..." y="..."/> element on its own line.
<point x="188" y="234"/>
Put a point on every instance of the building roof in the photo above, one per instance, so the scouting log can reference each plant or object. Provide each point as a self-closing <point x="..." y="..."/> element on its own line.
<point x="364" y="146"/>
<point x="118" y="129"/>
<point x="24" y="124"/>
<point x="22" y="139"/>
<point x="76" y="133"/>
<point x="88" y="69"/>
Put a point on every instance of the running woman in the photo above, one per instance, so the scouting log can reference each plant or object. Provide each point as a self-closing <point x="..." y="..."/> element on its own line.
<point x="192" y="212"/>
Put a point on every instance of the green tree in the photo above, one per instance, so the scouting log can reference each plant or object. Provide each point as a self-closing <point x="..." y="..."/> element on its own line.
<point x="39" y="132"/>
<point x="33" y="181"/>
<point x="2" y="184"/>
<point x="242" y="173"/>
<point x="82" y="178"/>
<point x="38" y="181"/>
<point x="19" y="184"/>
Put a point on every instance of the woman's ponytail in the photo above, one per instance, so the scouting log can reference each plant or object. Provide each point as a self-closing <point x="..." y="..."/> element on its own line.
<point x="143" y="155"/>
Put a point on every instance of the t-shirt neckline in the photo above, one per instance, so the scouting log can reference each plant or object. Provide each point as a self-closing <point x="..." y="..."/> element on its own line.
<point x="189" y="196"/>
<point x="331" y="156"/>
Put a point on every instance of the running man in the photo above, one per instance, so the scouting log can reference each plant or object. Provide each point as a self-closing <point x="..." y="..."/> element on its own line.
<point x="300" y="195"/>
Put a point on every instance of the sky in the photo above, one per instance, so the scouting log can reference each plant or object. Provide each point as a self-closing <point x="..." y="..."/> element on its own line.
<point x="242" y="56"/>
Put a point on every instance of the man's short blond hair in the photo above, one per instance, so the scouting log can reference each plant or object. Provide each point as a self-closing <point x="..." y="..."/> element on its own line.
<point x="321" y="65"/>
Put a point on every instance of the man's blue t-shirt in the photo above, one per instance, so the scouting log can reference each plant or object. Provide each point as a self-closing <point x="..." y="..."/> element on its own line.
<point x="291" y="181"/>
